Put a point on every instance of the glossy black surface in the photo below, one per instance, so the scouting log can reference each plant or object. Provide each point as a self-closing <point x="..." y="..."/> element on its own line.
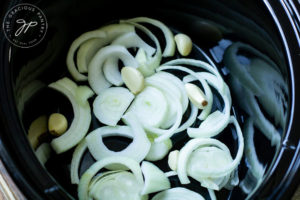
<point x="270" y="27"/>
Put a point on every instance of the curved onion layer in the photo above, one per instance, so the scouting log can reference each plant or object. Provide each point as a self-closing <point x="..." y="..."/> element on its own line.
<point x="212" y="194"/>
<point x="106" y="33"/>
<point x="216" y="121"/>
<point x="209" y="96"/>
<point x="192" y="118"/>
<point x="43" y="153"/>
<point x="148" y="68"/>
<point x="76" y="158"/>
<point x="196" y="63"/>
<point x="132" y="40"/>
<point x="128" y="40"/>
<point x="165" y="133"/>
<point x="169" y="37"/>
<point x="155" y="179"/>
<point x="174" y="85"/>
<point x="150" y="107"/>
<point x="209" y="157"/>
<point x="118" y="186"/>
<point x="194" y="144"/>
<point x="166" y="85"/>
<point x="137" y="150"/>
<point x="178" y="193"/>
<point x="110" y="105"/>
<point x="95" y="76"/>
<point x="78" y="96"/>
<point x="158" y="150"/>
<point x="85" y="180"/>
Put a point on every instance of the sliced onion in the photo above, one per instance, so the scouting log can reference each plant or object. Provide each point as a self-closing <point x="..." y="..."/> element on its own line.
<point x="158" y="150"/>
<point x="192" y="118"/>
<point x="150" y="107"/>
<point x="169" y="37"/>
<point x="165" y="133"/>
<point x="95" y="39"/>
<point x="128" y="40"/>
<point x="193" y="144"/>
<point x="43" y="153"/>
<point x="85" y="180"/>
<point x="155" y="179"/>
<point x="118" y="186"/>
<point x="209" y="158"/>
<point x="110" y="105"/>
<point x="166" y="85"/>
<point x="131" y="39"/>
<point x="216" y="121"/>
<point x="212" y="194"/>
<point x="206" y="88"/>
<point x="70" y="57"/>
<point x="76" y="158"/>
<point x="148" y="68"/>
<point x="137" y="150"/>
<point x="196" y="63"/>
<point x="178" y="193"/>
<point x="96" y="77"/>
<point x="82" y="114"/>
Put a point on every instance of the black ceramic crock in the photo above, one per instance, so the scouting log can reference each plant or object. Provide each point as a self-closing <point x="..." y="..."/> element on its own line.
<point x="263" y="24"/>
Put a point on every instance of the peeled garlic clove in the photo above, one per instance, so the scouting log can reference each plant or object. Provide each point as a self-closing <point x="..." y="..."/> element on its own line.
<point x="173" y="159"/>
<point x="57" y="124"/>
<point x="184" y="44"/>
<point x="196" y="95"/>
<point x="133" y="79"/>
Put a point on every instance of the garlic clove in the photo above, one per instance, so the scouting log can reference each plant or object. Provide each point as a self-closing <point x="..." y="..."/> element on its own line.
<point x="196" y="95"/>
<point x="133" y="79"/>
<point x="57" y="124"/>
<point x="184" y="44"/>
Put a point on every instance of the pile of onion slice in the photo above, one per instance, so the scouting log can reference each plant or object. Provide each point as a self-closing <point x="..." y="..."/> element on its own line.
<point x="151" y="117"/>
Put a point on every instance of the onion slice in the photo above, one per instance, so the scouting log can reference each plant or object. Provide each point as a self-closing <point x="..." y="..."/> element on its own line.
<point x="110" y="105"/>
<point x="95" y="76"/>
<point x="178" y="193"/>
<point x="216" y="121"/>
<point x="206" y="88"/>
<point x="158" y="150"/>
<point x="155" y="179"/>
<point x="76" y="158"/>
<point x="193" y="144"/>
<point x="43" y="153"/>
<point x="148" y="68"/>
<point x="128" y="40"/>
<point x="78" y="96"/>
<point x="84" y="184"/>
<point x="137" y="150"/>
<point x="169" y="37"/>
<point x="100" y="38"/>
<point x="150" y="107"/>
